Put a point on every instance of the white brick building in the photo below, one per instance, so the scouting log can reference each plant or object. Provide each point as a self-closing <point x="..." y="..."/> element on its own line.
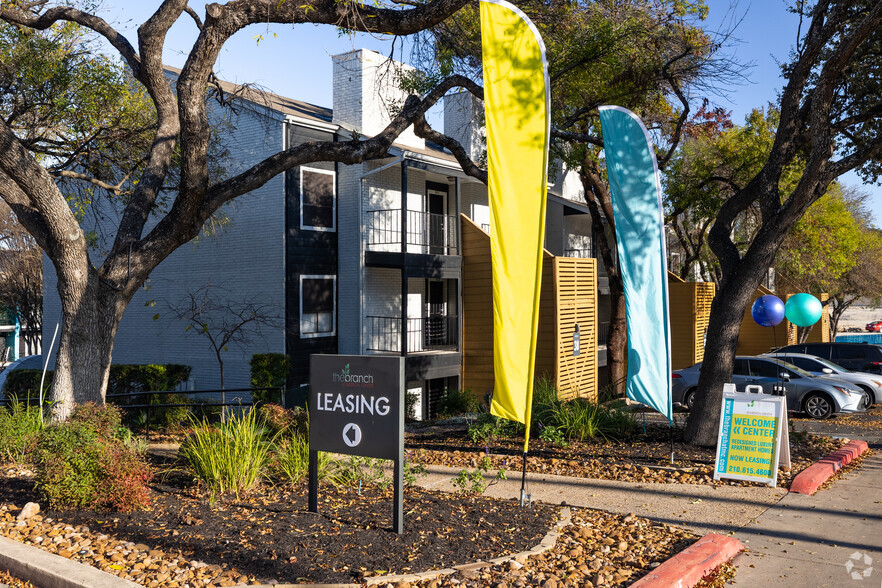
<point x="323" y="243"/>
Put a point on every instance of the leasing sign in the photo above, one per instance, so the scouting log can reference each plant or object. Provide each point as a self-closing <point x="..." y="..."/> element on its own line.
<point x="355" y="405"/>
<point x="753" y="439"/>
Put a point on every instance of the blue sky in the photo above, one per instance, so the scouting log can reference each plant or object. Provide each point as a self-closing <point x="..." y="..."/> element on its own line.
<point x="296" y="61"/>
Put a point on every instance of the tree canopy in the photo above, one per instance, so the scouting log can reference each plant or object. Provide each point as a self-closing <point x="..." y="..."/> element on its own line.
<point x="68" y="146"/>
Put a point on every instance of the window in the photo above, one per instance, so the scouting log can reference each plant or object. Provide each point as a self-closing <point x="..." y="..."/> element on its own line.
<point x="764" y="369"/>
<point x="849" y="352"/>
<point x="740" y="368"/>
<point x="317" y="298"/>
<point x="318" y="206"/>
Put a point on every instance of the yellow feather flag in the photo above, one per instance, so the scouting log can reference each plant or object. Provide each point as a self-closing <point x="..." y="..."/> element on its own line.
<point x="516" y="109"/>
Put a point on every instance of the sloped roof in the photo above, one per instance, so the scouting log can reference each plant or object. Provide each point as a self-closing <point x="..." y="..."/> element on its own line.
<point x="289" y="106"/>
<point x="281" y="104"/>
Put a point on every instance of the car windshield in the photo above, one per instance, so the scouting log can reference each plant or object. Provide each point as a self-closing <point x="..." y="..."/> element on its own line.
<point x="794" y="369"/>
<point x="833" y="366"/>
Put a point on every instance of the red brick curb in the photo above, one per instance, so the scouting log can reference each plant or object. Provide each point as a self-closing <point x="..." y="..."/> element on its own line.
<point x="810" y="479"/>
<point x="685" y="569"/>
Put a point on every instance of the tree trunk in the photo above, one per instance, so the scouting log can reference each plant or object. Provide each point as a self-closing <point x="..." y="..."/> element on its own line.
<point x="617" y="345"/>
<point x="91" y="312"/>
<point x="727" y="311"/>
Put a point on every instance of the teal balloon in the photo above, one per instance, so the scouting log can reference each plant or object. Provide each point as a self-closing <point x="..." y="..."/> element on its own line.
<point x="803" y="310"/>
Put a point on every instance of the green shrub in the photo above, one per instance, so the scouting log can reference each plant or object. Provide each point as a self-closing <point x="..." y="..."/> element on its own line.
<point x="123" y="379"/>
<point x="290" y="461"/>
<point x="456" y="402"/>
<point x="488" y="428"/>
<point x="285" y="421"/>
<point x="19" y="427"/>
<point x="577" y="419"/>
<point x="229" y="456"/>
<point x="25" y="383"/>
<point x="91" y="461"/>
<point x="269" y="370"/>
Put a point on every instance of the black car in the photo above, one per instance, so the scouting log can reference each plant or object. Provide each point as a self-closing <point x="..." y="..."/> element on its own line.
<point x="860" y="357"/>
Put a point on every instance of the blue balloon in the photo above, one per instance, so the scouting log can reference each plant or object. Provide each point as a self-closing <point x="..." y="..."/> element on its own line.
<point x="767" y="311"/>
<point x="803" y="310"/>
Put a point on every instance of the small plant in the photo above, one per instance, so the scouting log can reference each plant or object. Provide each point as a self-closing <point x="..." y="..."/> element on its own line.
<point x="290" y="461"/>
<point x="554" y="435"/>
<point x="488" y="428"/>
<point x="229" y="456"/>
<point x="474" y="483"/>
<point x="19" y="428"/>
<point x="456" y="402"/>
<point x="91" y="461"/>
<point x="357" y="472"/>
<point x="412" y="472"/>
<point x="287" y="422"/>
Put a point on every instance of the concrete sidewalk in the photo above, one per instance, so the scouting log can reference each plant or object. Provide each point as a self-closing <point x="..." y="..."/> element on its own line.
<point x="810" y="540"/>
<point x="704" y="509"/>
<point x="793" y="540"/>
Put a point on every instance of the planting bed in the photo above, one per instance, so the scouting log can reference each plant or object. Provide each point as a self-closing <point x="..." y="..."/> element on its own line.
<point x="269" y="536"/>
<point x="643" y="458"/>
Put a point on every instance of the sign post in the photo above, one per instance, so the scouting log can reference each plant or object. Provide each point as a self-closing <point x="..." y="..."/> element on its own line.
<point x="753" y="439"/>
<point x="356" y="408"/>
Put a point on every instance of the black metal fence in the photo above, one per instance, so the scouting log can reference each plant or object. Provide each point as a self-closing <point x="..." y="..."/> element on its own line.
<point x="228" y="397"/>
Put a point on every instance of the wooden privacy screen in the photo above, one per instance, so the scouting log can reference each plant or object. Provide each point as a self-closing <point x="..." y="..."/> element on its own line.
<point x="568" y="298"/>
<point x="690" y="304"/>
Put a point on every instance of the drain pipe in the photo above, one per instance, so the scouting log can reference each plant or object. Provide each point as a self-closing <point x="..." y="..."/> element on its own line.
<point x="363" y="244"/>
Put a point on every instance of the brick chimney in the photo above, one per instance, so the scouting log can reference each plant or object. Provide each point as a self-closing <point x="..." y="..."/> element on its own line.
<point x="367" y="93"/>
<point x="464" y="121"/>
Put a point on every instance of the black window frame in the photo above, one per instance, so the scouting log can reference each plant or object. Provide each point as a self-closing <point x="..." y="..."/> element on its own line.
<point x="333" y="212"/>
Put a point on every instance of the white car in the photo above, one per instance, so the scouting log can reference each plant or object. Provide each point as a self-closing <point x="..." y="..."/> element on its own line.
<point x="818" y="366"/>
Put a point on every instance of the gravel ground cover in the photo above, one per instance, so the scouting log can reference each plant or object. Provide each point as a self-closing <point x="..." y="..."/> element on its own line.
<point x="269" y="537"/>
<point x="646" y="458"/>
<point x="8" y="581"/>
<point x="595" y="549"/>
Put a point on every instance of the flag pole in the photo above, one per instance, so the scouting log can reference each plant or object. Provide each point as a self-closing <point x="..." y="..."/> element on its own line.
<point x="526" y="498"/>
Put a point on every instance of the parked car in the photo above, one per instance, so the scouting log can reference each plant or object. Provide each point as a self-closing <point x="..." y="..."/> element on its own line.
<point x="28" y="362"/>
<point x="818" y="366"/>
<point x="875" y="327"/>
<point x="860" y="357"/>
<point x="817" y="397"/>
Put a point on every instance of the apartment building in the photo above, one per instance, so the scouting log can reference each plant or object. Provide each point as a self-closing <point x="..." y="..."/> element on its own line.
<point x="357" y="259"/>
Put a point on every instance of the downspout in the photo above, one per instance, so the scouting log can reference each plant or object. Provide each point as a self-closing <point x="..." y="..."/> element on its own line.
<point x="363" y="245"/>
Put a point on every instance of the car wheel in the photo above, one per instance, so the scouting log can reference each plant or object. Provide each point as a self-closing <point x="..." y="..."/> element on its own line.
<point x="868" y="400"/>
<point x="689" y="400"/>
<point x="818" y="406"/>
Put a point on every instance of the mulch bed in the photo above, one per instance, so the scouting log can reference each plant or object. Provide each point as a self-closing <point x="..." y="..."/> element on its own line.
<point x="645" y="459"/>
<point x="271" y="535"/>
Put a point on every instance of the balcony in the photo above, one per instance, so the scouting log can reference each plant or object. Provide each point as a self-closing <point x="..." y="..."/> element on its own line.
<point x="427" y="233"/>
<point x="431" y="333"/>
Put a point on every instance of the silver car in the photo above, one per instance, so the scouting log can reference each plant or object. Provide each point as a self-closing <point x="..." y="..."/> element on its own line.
<point x="817" y="397"/>
<point x="817" y="366"/>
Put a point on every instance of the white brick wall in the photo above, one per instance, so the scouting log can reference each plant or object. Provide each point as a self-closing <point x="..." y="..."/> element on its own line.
<point x="463" y="121"/>
<point x="246" y="259"/>
<point x="367" y="94"/>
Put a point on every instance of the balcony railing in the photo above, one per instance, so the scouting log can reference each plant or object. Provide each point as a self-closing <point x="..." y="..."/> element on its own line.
<point x="426" y="232"/>
<point x="431" y="333"/>
<point x="581" y="253"/>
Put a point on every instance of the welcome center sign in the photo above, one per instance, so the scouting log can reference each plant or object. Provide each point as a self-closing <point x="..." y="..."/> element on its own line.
<point x="753" y="438"/>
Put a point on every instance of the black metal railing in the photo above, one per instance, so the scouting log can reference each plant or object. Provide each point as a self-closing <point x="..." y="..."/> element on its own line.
<point x="427" y="232"/>
<point x="431" y="333"/>
<point x="221" y="399"/>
